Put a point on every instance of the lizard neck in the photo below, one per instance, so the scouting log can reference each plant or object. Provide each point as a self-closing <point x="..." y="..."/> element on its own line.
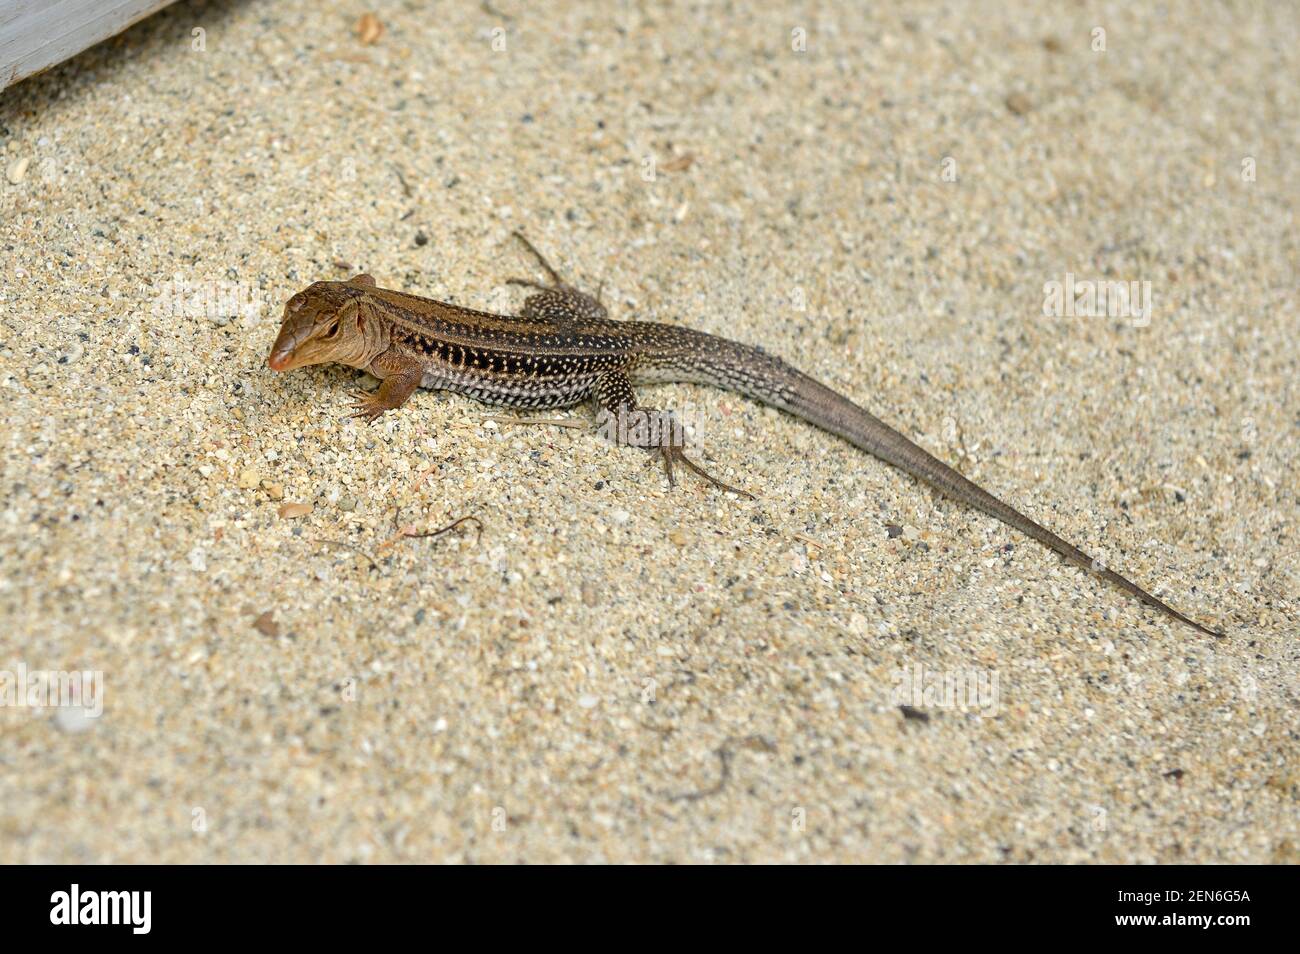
<point x="375" y="333"/>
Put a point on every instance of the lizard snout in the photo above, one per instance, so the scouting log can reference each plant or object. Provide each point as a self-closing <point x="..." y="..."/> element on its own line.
<point x="287" y="341"/>
<point x="281" y="358"/>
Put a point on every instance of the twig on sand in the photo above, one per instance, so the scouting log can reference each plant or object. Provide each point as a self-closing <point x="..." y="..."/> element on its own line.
<point x="409" y="532"/>
<point x="724" y="753"/>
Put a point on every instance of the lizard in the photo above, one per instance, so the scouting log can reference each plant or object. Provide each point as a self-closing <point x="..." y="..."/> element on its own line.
<point x="563" y="349"/>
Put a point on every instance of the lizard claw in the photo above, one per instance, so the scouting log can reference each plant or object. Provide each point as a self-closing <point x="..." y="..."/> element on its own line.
<point x="365" y="406"/>
<point x="672" y="454"/>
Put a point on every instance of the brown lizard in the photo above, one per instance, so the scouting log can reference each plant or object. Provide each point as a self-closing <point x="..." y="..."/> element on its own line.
<point x="563" y="349"/>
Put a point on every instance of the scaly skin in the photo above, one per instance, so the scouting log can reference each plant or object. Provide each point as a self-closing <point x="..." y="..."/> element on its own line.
<point x="563" y="349"/>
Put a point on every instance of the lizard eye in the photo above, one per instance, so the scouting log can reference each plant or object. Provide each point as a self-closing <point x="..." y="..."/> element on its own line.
<point x="333" y="330"/>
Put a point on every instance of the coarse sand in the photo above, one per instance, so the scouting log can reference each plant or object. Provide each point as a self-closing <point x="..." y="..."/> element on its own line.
<point x="602" y="668"/>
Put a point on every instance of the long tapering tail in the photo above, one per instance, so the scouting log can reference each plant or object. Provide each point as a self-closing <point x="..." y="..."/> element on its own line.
<point x="769" y="379"/>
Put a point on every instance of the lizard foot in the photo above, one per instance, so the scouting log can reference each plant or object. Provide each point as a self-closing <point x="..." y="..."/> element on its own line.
<point x="556" y="281"/>
<point x="673" y="454"/>
<point x="366" y="405"/>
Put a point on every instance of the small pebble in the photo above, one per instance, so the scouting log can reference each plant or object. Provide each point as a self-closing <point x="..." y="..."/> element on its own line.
<point x="73" y="719"/>
<point x="369" y="29"/>
<point x="17" y="170"/>
<point x="291" y="511"/>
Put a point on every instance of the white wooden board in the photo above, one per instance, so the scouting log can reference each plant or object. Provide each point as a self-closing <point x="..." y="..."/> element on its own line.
<point x="36" y="34"/>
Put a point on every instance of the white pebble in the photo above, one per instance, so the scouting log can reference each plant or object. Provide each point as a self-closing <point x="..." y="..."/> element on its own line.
<point x="72" y="719"/>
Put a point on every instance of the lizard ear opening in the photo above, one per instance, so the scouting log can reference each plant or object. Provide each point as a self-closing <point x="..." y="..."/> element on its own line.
<point x="351" y="312"/>
<point x="362" y="279"/>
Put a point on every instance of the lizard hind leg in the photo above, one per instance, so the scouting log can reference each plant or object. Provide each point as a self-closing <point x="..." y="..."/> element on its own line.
<point x="623" y="422"/>
<point x="559" y="301"/>
<point x="562" y="306"/>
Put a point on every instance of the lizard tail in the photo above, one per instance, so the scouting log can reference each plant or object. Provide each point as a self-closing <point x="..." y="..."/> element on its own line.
<point x="772" y="381"/>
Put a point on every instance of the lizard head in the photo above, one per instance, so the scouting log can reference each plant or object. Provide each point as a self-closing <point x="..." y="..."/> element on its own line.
<point x="326" y="322"/>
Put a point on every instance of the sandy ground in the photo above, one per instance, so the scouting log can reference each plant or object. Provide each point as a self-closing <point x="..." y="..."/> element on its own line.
<point x="615" y="670"/>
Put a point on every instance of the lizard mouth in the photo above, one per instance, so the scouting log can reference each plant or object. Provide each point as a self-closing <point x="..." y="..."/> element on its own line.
<point x="279" y="360"/>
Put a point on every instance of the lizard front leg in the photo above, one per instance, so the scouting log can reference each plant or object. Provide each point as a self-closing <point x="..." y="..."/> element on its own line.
<point x="401" y="375"/>
<point x="623" y="422"/>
